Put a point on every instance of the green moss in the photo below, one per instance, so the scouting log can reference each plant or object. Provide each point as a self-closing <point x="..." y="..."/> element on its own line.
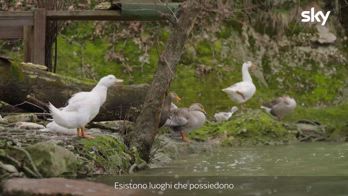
<point x="254" y="126"/>
<point x="204" y="48"/>
<point x="108" y="153"/>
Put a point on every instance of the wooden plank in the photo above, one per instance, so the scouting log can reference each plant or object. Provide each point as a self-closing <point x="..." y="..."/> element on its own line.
<point x="24" y="18"/>
<point x="11" y="32"/>
<point x="83" y="15"/>
<point x="28" y="43"/>
<point x="39" y="36"/>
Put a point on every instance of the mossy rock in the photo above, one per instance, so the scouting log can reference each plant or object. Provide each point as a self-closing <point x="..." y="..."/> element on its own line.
<point x="53" y="160"/>
<point x="253" y="126"/>
<point x="108" y="153"/>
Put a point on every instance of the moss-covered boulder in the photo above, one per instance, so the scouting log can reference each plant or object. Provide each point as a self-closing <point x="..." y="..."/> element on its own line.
<point x="107" y="153"/>
<point x="251" y="127"/>
<point x="53" y="160"/>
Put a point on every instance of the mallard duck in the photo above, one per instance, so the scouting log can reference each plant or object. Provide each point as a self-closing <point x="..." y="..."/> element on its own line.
<point x="224" y="116"/>
<point x="280" y="107"/>
<point x="184" y="120"/>
<point x="83" y="106"/>
<point x="242" y="91"/>
<point x="168" y="106"/>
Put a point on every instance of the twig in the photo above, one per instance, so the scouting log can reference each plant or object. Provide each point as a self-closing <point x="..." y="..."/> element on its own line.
<point x="18" y="165"/>
<point x="27" y="102"/>
<point x="29" y="158"/>
<point x="32" y="98"/>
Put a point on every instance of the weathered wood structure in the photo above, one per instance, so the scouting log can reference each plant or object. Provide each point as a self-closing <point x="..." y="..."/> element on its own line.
<point x="31" y="25"/>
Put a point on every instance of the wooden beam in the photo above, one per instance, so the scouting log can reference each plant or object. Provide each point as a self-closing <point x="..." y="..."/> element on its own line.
<point x="24" y="18"/>
<point x="11" y="32"/>
<point x="39" y="36"/>
<point x="84" y="15"/>
<point x="28" y="43"/>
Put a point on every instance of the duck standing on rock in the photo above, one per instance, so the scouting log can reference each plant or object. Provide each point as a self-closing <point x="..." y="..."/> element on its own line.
<point x="83" y="106"/>
<point x="280" y="107"/>
<point x="224" y="116"/>
<point x="242" y="91"/>
<point x="184" y="120"/>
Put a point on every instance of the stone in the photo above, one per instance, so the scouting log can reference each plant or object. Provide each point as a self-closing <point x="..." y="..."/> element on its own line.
<point x="8" y="168"/>
<point x="60" y="186"/>
<point x="114" y="126"/>
<point x="28" y="125"/>
<point x="1" y="119"/>
<point x="53" y="160"/>
<point x="325" y="36"/>
<point x="25" y="117"/>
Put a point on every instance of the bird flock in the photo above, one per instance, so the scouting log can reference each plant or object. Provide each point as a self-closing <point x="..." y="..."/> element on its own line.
<point x="83" y="107"/>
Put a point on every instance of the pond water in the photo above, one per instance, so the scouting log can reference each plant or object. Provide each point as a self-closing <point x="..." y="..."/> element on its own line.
<point x="299" y="169"/>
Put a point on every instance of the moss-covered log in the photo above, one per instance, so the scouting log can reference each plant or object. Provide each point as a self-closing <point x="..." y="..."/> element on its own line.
<point x="31" y="87"/>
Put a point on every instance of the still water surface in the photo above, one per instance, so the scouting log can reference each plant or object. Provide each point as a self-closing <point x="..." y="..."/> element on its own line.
<point x="300" y="169"/>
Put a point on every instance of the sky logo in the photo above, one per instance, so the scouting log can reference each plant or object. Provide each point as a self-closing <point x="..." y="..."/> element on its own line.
<point x="313" y="16"/>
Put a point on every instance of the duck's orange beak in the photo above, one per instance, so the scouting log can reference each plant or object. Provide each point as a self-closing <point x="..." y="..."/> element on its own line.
<point x="204" y="111"/>
<point x="177" y="98"/>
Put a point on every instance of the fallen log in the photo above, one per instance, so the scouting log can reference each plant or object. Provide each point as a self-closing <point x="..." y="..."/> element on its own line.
<point x="31" y="87"/>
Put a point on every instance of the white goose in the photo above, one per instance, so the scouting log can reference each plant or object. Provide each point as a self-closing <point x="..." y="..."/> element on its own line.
<point x="242" y="91"/>
<point x="83" y="106"/>
<point x="224" y="116"/>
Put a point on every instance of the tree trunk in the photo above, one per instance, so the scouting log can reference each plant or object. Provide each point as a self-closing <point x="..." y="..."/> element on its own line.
<point x="31" y="87"/>
<point x="147" y="122"/>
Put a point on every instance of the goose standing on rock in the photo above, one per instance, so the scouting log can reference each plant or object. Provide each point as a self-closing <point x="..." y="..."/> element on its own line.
<point x="224" y="116"/>
<point x="280" y="107"/>
<point x="83" y="106"/>
<point x="168" y="107"/>
<point x="242" y="91"/>
<point x="184" y="120"/>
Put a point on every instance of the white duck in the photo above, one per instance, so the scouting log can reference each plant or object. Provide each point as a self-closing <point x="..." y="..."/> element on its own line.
<point x="242" y="91"/>
<point x="224" y="116"/>
<point x="83" y="106"/>
<point x="54" y="127"/>
<point x="280" y="107"/>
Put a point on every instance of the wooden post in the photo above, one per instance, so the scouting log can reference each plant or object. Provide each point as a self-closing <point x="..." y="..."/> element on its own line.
<point x="28" y="43"/>
<point x="38" y="50"/>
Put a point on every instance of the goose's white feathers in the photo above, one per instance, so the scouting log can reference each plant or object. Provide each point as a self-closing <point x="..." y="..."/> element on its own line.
<point x="242" y="91"/>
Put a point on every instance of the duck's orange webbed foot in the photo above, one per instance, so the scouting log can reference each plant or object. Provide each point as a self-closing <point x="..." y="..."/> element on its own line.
<point x="84" y="135"/>
<point x="184" y="137"/>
